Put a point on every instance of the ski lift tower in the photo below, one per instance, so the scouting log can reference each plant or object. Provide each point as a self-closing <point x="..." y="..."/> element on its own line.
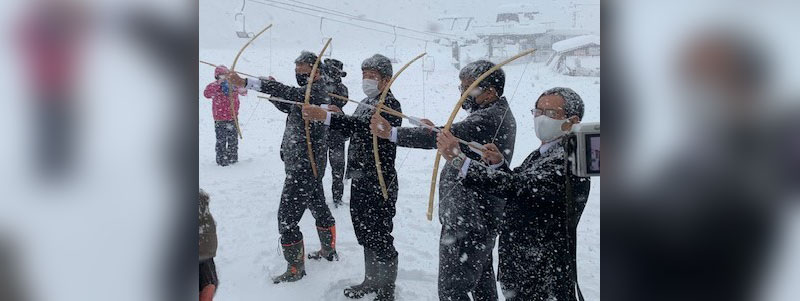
<point x="458" y="26"/>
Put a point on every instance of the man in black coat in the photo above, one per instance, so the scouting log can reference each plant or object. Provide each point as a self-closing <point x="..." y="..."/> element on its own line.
<point x="469" y="216"/>
<point x="543" y="202"/>
<point x="371" y="213"/>
<point x="301" y="189"/>
<point x="333" y="74"/>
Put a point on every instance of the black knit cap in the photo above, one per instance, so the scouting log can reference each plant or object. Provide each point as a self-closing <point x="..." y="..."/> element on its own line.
<point x="334" y="67"/>
<point x="496" y="79"/>
<point x="378" y="63"/>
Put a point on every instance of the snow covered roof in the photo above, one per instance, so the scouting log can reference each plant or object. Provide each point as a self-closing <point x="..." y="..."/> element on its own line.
<point x="517" y="29"/>
<point x="576" y="42"/>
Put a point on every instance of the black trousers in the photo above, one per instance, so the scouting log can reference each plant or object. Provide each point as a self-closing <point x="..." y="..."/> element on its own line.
<point x="208" y="273"/>
<point x="227" y="147"/>
<point x="301" y="191"/>
<point x="372" y="215"/>
<point x="541" y="275"/>
<point x="465" y="265"/>
<point x="336" y="156"/>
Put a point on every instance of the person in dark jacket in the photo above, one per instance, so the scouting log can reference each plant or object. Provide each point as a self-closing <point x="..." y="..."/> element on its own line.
<point x="543" y="202"/>
<point x="301" y="189"/>
<point x="207" y="247"/>
<point x="334" y="72"/>
<point x="371" y="213"/>
<point x="469" y="216"/>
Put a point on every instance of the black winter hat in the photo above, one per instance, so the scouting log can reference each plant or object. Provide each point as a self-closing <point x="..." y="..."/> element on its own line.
<point x="496" y="79"/>
<point x="335" y="68"/>
<point x="378" y="63"/>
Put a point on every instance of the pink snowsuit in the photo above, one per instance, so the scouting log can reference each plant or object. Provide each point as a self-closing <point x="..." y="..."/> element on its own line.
<point x="221" y="104"/>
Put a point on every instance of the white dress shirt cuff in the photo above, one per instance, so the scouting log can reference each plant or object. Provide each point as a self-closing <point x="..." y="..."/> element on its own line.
<point x="496" y="166"/>
<point x="393" y="136"/>
<point x="327" y="117"/>
<point x="253" y="83"/>
<point x="464" y="168"/>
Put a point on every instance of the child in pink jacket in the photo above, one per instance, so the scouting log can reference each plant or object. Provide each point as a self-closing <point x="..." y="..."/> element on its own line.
<point x="227" y="140"/>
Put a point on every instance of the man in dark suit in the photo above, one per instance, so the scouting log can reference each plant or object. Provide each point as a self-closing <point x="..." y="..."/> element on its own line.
<point x="469" y="216"/>
<point x="371" y="214"/>
<point x="302" y="189"/>
<point x="333" y="73"/>
<point x="543" y="202"/>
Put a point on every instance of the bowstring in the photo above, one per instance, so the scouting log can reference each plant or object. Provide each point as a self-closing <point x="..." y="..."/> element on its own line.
<point x="500" y="125"/>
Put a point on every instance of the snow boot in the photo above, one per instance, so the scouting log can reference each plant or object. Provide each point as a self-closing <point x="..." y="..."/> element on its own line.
<point x="295" y="269"/>
<point x="386" y="278"/>
<point x="367" y="286"/>
<point x="327" y="239"/>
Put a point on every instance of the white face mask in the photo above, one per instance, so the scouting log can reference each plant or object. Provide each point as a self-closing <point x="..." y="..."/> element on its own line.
<point x="548" y="129"/>
<point x="370" y="87"/>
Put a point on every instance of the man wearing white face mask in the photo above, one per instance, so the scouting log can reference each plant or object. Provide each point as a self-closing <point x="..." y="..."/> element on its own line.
<point x="537" y="215"/>
<point x="371" y="214"/>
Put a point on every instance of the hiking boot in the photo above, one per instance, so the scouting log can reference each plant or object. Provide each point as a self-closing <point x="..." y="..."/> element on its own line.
<point x="365" y="287"/>
<point x="327" y="239"/>
<point x="295" y="269"/>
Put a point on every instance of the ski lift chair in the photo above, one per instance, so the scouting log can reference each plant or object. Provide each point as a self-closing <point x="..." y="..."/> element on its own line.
<point x="244" y="34"/>
<point x="328" y="52"/>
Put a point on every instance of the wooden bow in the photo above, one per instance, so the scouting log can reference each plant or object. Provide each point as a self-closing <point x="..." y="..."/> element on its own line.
<point x="306" y="101"/>
<point x="453" y="116"/>
<point x="379" y="108"/>
<point x="233" y="69"/>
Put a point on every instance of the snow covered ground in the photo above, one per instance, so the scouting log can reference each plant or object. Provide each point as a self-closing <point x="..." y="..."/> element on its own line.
<point x="244" y="197"/>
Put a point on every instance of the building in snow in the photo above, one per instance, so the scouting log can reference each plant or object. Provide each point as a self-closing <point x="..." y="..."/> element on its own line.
<point x="578" y="56"/>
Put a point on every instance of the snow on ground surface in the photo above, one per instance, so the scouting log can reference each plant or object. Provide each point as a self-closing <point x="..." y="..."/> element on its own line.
<point x="245" y="196"/>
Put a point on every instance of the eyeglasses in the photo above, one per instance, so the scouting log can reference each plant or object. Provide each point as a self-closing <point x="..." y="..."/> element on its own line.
<point x="552" y="113"/>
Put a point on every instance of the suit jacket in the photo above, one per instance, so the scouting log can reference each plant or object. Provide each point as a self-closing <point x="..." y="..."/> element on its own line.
<point x="461" y="207"/>
<point x="360" y="159"/>
<point x="535" y="249"/>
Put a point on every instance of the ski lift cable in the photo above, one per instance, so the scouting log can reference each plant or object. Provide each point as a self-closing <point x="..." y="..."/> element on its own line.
<point x="423" y="81"/>
<point x="320" y="9"/>
<point x="339" y="21"/>
<point x="360" y="18"/>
